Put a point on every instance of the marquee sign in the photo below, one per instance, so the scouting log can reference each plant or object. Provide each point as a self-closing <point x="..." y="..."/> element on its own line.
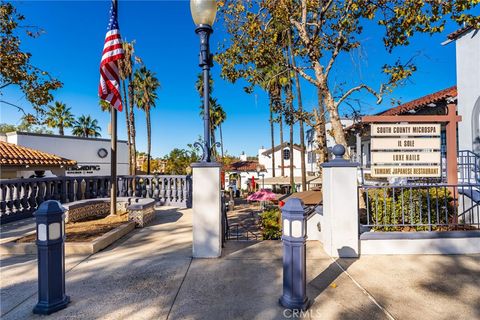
<point x="405" y="150"/>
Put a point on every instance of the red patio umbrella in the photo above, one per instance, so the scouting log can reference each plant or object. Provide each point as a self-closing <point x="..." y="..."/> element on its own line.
<point x="253" y="183"/>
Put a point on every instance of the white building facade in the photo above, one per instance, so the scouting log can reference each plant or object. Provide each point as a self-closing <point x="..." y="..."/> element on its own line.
<point x="279" y="152"/>
<point x="467" y="43"/>
<point x="92" y="154"/>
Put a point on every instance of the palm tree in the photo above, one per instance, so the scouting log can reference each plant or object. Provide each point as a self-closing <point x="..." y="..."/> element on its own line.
<point x="273" y="78"/>
<point x="125" y="67"/>
<point x="86" y="126"/>
<point x="105" y="106"/>
<point x="146" y="86"/>
<point x="217" y="117"/>
<point x="59" y="116"/>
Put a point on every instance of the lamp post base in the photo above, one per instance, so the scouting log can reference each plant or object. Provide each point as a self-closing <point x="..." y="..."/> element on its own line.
<point x="293" y="304"/>
<point x="46" y="308"/>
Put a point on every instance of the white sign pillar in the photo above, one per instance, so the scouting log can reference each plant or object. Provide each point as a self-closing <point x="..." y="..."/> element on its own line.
<point x="207" y="213"/>
<point x="340" y="226"/>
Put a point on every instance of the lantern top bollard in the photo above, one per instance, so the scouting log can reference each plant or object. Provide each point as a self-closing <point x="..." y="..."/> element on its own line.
<point x="294" y="206"/>
<point x="49" y="207"/>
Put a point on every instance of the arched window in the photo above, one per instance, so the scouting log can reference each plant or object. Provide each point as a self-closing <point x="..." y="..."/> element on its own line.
<point x="476" y="126"/>
<point x="286" y="154"/>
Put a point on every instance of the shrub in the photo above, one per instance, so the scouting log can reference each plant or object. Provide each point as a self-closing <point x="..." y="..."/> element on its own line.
<point x="385" y="208"/>
<point x="270" y="224"/>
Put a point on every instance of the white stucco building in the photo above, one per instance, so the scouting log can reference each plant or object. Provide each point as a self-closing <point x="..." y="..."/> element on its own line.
<point x="91" y="154"/>
<point x="467" y="43"/>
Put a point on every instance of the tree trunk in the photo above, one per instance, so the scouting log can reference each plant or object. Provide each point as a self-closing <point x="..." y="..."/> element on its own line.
<point x="221" y="139"/>
<point x="133" y="152"/>
<point x="282" y="161"/>
<point x="321" y="134"/>
<point x="60" y="130"/>
<point x="212" y="143"/>
<point x="127" y="122"/>
<point x="290" y="121"/>
<point x="300" y="122"/>
<point x="272" y="135"/>
<point x="149" y="138"/>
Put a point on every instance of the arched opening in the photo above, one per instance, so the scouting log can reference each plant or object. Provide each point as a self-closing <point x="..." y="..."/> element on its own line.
<point x="476" y="127"/>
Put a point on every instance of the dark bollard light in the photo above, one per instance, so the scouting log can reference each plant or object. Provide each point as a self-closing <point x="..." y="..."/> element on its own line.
<point x="50" y="220"/>
<point x="294" y="256"/>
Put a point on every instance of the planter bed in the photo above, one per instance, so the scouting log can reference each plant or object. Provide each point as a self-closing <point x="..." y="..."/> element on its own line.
<point x="87" y="237"/>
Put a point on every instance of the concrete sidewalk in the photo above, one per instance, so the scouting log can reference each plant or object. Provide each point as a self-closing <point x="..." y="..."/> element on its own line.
<point x="150" y="275"/>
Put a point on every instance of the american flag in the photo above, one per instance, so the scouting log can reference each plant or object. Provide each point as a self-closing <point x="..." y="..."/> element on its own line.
<point x="109" y="88"/>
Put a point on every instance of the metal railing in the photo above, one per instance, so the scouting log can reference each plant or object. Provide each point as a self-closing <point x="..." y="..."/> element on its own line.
<point x="468" y="167"/>
<point x="240" y="232"/>
<point x="420" y="207"/>
<point x="19" y="198"/>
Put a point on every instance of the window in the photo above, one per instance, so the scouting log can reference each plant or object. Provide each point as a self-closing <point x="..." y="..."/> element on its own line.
<point x="286" y="154"/>
<point x="312" y="156"/>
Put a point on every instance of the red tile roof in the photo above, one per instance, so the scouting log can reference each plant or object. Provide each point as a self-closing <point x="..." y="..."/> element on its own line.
<point x="14" y="155"/>
<point x="422" y="102"/>
<point x="248" y="165"/>
<point x="454" y="35"/>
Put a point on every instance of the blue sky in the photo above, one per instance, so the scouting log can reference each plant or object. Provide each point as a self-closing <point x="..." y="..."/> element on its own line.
<point x="71" y="48"/>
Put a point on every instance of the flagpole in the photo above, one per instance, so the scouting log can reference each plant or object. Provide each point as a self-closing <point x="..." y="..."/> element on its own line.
<point x="113" y="164"/>
<point x="113" y="151"/>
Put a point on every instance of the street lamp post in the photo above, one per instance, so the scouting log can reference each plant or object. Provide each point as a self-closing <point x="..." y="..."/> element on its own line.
<point x="203" y="14"/>
<point x="260" y="169"/>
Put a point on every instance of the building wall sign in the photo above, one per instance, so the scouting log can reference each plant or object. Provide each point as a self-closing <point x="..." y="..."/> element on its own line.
<point x="393" y="130"/>
<point x="85" y="170"/>
<point x="405" y="150"/>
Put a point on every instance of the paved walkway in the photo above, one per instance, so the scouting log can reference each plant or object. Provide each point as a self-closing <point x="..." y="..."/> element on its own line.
<point x="150" y="275"/>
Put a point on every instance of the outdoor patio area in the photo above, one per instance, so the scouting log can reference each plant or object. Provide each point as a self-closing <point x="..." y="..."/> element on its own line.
<point x="150" y="274"/>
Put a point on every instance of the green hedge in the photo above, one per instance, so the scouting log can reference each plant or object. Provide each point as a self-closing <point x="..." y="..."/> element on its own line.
<point x="378" y="198"/>
<point x="271" y="226"/>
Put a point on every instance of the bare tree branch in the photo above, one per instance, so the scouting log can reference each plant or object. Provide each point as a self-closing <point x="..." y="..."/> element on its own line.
<point x="14" y="105"/>
<point x="336" y="51"/>
<point x="358" y="88"/>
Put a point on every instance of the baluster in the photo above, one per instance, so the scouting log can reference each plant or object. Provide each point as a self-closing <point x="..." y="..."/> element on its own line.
<point x="138" y="187"/>
<point x="40" y="193"/>
<point x="78" y="189"/>
<point x="122" y="189"/>
<point x="169" y="189"/>
<point x="184" y="189"/>
<point x="63" y="190"/>
<point x="32" y="195"/>
<point x="9" y="200"/>
<point x="163" y="191"/>
<point x="71" y="190"/>
<point x="146" y="187"/>
<point x="16" y="198"/>
<point x="94" y="192"/>
<point x="173" y="185"/>
<point x="131" y="186"/>
<point x="101" y="192"/>
<point x="48" y="190"/>
<point x="156" y="190"/>
<point x="3" y="203"/>
<point x="56" y="186"/>
<point x="87" y="189"/>
<point x="23" y="197"/>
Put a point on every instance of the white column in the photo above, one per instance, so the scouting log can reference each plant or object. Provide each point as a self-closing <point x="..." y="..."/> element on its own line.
<point x="207" y="214"/>
<point x="340" y="207"/>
